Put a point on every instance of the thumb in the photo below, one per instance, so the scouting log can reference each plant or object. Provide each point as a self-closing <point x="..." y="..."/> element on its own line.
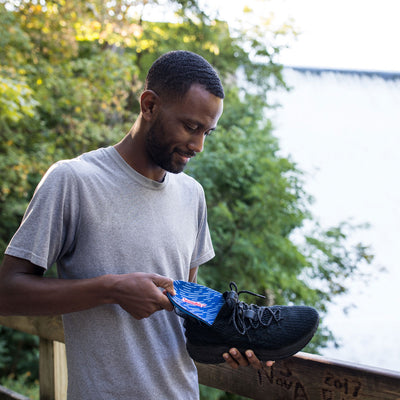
<point x="165" y="283"/>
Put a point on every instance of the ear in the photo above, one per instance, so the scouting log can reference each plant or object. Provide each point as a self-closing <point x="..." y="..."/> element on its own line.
<point x="149" y="104"/>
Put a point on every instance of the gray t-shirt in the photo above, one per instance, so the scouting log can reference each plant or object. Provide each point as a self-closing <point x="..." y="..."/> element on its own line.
<point x="95" y="215"/>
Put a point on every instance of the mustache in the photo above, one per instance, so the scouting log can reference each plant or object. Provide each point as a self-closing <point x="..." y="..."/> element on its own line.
<point x="189" y="154"/>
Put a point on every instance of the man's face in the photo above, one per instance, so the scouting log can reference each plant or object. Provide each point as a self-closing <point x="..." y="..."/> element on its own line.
<point x="180" y="128"/>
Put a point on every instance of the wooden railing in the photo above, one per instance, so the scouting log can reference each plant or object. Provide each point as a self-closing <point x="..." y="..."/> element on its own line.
<point x="302" y="377"/>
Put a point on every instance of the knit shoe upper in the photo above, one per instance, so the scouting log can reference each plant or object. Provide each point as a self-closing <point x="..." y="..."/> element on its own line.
<point x="271" y="332"/>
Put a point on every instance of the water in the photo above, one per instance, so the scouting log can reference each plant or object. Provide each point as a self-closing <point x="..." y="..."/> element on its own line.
<point x="344" y="132"/>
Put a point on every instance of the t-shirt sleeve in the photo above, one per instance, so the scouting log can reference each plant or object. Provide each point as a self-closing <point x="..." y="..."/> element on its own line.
<point x="47" y="230"/>
<point x="203" y="250"/>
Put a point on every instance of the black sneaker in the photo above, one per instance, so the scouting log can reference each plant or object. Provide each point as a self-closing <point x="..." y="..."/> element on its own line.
<point x="273" y="333"/>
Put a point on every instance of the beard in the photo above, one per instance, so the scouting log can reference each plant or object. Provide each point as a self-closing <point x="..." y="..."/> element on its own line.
<point x="161" y="152"/>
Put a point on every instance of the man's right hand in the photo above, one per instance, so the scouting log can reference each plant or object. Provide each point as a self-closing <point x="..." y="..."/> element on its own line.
<point x="138" y="293"/>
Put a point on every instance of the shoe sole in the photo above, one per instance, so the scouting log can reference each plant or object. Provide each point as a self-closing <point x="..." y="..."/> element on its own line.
<point x="212" y="354"/>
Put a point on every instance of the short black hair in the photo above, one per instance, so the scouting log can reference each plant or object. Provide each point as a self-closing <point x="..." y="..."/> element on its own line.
<point x="175" y="72"/>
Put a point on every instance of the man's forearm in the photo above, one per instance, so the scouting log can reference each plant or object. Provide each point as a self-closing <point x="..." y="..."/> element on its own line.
<point x="24" y="293"/>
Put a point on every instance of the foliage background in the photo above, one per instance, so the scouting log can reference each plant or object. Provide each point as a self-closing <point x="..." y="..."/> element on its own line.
<point x="70" y="75"/>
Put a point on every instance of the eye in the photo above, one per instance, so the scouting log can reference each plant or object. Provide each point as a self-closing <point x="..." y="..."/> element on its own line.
<point x="208" y="133"/>
<point x="190" y="127"/>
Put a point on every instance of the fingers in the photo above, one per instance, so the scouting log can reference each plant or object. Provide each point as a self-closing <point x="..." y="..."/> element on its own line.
<point x="255" y="362"/>
<point x="168" y="285"/>
<point x="139" y="293"/>
<point x="165" y="304"/>
<point x="164" y="282"/>
<point x="230" y="360"/>
<point x="235" y="359"/>
<point x="270" y="363"/>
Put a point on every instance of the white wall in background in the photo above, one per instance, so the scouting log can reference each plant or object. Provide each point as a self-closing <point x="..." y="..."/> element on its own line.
<point x="344" y="131"/>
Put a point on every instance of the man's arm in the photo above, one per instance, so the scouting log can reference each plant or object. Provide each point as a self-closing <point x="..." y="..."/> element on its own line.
<point x="24" y="291"/>
<point x="193" y="274"/>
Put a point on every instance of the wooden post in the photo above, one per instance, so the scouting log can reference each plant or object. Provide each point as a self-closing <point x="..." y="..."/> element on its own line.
<point x="46" y="369"/>
<point x="52" y="370"/>
<point x="60" y="371"/>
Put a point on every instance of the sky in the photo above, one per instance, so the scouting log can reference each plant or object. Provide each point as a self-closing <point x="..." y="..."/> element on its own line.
<point x="339" y="34"/>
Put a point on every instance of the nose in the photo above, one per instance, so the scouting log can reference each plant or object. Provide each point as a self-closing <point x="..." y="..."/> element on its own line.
<point x="196" y="143"/>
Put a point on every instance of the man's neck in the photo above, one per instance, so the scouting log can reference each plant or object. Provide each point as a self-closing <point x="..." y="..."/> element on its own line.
<point x="132" y="149"/>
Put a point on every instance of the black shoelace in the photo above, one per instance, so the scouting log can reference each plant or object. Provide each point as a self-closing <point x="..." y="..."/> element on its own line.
<point x="246" y="316"/>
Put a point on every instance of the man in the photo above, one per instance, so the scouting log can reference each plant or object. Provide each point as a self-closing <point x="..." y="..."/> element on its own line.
<point x="122" y="223"/>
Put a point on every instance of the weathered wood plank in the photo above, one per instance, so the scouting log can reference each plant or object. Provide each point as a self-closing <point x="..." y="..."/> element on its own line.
<point x="60" y="371"/>
<point x="46" y="370"/>
<point x="52" y="370"/>
<point x="50" y="327"/>
<point x="7" y="394"/>
<point x="305" y="377"/>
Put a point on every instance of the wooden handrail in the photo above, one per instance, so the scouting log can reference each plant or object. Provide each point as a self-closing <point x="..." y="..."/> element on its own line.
<point x="7" y="394"/>
<point x="302" y="377"/>
<point x="50" y="328"/>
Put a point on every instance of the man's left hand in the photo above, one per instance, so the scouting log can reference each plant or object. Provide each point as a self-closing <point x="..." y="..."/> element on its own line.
<point x="236" y="359"/>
